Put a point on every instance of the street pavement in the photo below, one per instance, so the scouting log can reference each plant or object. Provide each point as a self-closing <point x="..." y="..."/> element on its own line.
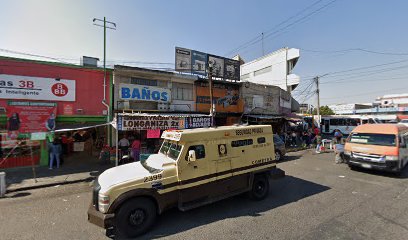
<point x="318" y="199"/>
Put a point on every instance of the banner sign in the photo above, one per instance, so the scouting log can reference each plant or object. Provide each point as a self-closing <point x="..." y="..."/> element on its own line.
<point x="225" y="96"/>
<point x="129" y="123"/>
<point x="36" y="88"/>
<point x="143" y="93"/>
<point x="197" y="122"/>
<point x="197" y="62"/>
<point x="31" y="117"/>
<point x="183" y="60"/>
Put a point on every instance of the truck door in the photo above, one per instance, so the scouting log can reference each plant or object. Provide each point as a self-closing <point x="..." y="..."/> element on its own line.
<point x="194" y="176"/>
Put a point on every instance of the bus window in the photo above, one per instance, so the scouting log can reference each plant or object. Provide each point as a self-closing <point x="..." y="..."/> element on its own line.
<point x="334" y="121"/>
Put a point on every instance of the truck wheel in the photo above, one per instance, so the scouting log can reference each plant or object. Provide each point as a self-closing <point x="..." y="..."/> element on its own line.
<point x="260" y="187"/>
<point x="135" y="217"/>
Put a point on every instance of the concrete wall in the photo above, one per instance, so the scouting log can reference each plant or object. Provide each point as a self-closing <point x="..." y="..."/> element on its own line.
<point x="271" y="69"/>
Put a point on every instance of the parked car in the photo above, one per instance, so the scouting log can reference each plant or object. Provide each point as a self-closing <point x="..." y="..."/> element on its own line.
<point x="404" y="121"/>
<point x="280" y="150"/>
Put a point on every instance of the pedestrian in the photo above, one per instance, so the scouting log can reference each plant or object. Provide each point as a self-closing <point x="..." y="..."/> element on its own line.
<point x="316" y="131"/>
<point x="136" y="149"/>
<point x="123" y="145"/>
<point x="338" y="135"/>
<point x="318" y="139"/>
<point x="294" y="135"/>
<point x="55" y="151"/>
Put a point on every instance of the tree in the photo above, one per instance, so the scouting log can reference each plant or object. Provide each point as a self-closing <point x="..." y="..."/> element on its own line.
<point x="324" y="110"/>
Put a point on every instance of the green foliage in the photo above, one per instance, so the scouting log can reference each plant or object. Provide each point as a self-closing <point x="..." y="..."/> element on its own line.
<point x="324" y="110"/>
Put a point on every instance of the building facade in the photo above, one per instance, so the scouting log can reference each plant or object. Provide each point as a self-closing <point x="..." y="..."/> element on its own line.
<point x="274" y="69"/>
<point x="38" y="97"/>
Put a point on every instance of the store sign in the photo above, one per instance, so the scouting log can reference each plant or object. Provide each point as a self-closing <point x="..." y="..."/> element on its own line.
<point x="144" y="93"/>
<point x="36" y="88"/>
<point x="225" y="96"/>
<point x="31" y="117"/>
<point x="197" y="122"/>
<point x="130" y="123"/>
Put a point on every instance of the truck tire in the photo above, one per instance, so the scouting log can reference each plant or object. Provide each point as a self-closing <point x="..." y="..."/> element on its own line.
<point x="135" y="217"/>
<point x="260" y="187"/>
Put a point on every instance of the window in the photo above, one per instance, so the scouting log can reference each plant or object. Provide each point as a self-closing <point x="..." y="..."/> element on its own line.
<point x="142" y="81"/>
<point x="199" y="151"/>
<point x="263" y="70"/>
<point x="174" y="151"/>
<point x="262" y="140"/>
<point x="334" y="122"/>
<point x="373" y="139"/>
<point x="182" y="91"/>
<point x="241" y="143"/>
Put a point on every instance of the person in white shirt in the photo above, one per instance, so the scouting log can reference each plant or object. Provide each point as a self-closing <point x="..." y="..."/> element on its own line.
<point x="124" y="145"/>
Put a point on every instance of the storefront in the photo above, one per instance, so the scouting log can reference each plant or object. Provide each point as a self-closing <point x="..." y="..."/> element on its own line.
<point x="39" y="98"/>
<point x="147" y="128"/>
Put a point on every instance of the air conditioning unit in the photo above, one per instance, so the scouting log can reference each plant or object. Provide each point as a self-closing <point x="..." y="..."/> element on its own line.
<point x="163" y="106"/>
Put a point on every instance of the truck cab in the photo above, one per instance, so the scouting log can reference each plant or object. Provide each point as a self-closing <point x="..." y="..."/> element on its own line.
<point x="193" y="167"/>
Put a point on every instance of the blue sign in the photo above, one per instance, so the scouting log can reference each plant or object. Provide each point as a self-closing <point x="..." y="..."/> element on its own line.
<point x="144" y="93"/>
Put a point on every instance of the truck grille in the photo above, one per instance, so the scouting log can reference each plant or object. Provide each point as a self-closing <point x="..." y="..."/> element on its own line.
<point x="95" y="193"/>
<point x="368" y="157"/>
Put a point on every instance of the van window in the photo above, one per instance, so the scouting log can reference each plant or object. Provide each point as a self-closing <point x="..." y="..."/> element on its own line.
<point x="174" y="151"/>
<point x="199" y="151"/>
<point x="373" y="139"/>
<point x="241" y="143"/>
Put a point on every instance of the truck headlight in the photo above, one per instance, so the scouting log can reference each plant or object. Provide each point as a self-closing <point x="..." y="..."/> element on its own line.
<point x="391" y="158"/>
<point x="103" y="203"/>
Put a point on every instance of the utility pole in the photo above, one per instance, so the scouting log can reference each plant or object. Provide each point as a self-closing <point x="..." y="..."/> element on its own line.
<point x="287" y="70"/>
<point x="113" y="27"/>
<point x="316" y="79"/>
<point x="211" y="93"/>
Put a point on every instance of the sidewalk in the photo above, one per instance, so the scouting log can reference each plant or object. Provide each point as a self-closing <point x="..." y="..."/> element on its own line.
<point x="77" y="168"/>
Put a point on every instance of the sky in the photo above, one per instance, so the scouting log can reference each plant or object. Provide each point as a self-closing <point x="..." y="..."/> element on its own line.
<point x="358" y="48"/>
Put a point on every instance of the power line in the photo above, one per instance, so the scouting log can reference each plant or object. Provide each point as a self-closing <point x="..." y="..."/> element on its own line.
<point x="256" y="39"/>
<point x="354" y="50"/>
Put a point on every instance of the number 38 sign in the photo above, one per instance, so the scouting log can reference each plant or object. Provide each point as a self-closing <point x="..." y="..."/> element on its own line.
<point x="36" y="88"/>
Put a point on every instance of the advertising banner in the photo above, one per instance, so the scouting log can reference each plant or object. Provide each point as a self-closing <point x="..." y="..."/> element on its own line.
<point x="31" y="117"/>
<point x="143" y="93"/>
<point x="199" y="62"/>
<point x="36" y="88"/>
<point x="217" y="66"/>
<point x="231" y="69"/>
<point x="129" y="123"/>
<point x="197" y="122"/>
<point x="183" y="60"/>
<point x="225" y="96"/>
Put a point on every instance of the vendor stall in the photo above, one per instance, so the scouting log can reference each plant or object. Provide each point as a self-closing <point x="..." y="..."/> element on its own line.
<point x="147" y="128"/>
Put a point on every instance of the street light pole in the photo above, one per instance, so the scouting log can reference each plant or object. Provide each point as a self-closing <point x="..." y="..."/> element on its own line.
<point x="113" y="27"/>
<point x="211" y="93"/>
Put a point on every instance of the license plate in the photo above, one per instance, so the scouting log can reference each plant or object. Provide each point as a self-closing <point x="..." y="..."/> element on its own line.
<point x="364" y="165"/>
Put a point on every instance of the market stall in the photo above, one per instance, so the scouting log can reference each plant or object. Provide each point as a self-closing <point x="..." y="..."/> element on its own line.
<point x="147" y="128"/>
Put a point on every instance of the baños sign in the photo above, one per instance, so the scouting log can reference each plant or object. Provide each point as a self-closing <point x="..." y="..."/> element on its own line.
<point x="144" y="93"/>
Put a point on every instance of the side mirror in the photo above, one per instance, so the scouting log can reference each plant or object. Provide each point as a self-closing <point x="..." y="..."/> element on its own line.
<point x="191" y="156"/>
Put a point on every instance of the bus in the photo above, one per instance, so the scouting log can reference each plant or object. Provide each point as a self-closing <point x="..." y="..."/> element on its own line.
<point x="345" y="124"/>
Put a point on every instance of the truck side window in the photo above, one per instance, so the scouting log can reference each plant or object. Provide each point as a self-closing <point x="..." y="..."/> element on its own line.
<point x="199" y="151"/>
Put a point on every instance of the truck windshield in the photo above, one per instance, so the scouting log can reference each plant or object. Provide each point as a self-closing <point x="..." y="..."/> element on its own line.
<point x="373" y="139"/>
<point x="165" y="147"/>
<point x="171" y="149"/>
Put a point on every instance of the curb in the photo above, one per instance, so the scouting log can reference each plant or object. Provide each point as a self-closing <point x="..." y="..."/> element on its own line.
<point x="88" y="179"/>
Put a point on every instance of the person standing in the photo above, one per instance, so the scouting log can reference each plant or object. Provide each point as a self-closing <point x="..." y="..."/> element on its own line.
<point x="294" y="135"/>
<point x="136" y="149"/>
<point x="318" y="142"/>
<point x="338" y="136"/>
<point x="55" y="150"/>
<point x="123" y="145"/>
<point x="50" y="123"/>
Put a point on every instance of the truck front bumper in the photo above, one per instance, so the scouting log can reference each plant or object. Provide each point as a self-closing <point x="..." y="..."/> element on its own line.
<point x="100" y="219"/>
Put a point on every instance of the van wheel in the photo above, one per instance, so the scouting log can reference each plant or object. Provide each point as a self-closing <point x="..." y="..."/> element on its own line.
<point x="260" y="188"/>
<point x="135" y="217"/>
